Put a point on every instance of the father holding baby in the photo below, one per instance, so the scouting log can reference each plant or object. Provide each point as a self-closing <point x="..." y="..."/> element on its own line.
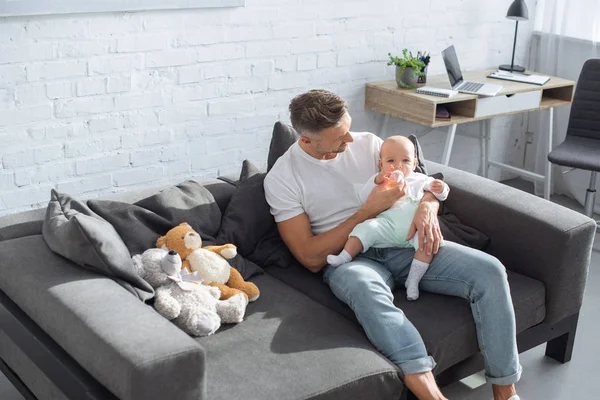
<point x="314" y="194"/>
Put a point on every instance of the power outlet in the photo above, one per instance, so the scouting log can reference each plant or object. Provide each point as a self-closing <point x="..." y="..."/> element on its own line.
<point x="529" y="137"/>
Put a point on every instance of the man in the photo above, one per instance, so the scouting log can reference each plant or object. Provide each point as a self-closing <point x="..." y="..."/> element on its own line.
<point x="312" y="192"/>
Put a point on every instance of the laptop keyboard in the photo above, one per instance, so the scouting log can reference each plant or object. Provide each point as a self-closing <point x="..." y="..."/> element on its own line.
<point x="471" y="86"/>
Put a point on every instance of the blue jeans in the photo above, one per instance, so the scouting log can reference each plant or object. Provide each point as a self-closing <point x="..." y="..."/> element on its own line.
<point x="366" y="285"/>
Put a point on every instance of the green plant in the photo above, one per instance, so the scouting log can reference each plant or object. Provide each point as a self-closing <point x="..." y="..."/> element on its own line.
<point x="408" y="61"/>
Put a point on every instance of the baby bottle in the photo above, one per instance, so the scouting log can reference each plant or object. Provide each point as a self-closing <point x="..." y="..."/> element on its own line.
<point x="397" y="177"/>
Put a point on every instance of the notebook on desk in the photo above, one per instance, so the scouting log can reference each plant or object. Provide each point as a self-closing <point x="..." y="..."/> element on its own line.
<point x="517" y="77"/>
<point x="433" y="91"/>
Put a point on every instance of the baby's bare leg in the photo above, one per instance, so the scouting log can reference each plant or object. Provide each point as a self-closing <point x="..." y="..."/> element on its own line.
<point x="352" y="248"/>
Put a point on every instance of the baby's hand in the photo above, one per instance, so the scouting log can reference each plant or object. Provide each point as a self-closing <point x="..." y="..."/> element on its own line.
<point x="383" y="175"/>
<point x="437" y="186"/>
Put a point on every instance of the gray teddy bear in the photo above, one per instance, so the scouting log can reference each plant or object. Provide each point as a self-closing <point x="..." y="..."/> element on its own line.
<point x="193" y="307"/>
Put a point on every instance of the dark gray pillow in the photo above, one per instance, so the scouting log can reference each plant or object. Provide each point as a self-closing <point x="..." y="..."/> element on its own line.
<point x="253" y="221"/>
<point x="75" y="232"/>
<point x="419" y="155"/>
<point x="247" y="218"/>
<point x="283" y="137"/>
<point x="187" y="202"/>
<point x="142" y="223"/>
<point x="139" y="228"/>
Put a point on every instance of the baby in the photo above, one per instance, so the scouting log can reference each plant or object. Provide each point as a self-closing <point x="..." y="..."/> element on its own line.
<point x="389" y="229"/>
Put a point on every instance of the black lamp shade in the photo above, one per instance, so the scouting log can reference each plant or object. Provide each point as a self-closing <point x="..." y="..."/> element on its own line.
<point x="518" y="11"/>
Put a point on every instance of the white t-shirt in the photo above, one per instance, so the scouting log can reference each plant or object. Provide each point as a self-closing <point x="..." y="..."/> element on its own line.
<point x="326" y="190"/>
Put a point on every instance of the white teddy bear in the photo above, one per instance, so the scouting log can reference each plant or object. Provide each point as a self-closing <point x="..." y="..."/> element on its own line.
<point x="195" y="308"/>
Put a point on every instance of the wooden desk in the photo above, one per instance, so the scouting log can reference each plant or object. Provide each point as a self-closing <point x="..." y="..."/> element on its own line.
<point x="515" y="97"/>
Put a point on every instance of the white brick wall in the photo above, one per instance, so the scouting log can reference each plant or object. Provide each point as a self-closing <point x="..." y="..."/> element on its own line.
<point x="96" y="103"/>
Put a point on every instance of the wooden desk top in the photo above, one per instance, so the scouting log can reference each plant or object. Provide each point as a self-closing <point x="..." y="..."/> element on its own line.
<point x="387" y="98"/>
<point x="441" y="81"/>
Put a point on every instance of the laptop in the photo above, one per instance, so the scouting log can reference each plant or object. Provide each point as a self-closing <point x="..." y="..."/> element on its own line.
<point x="456" y="78"/>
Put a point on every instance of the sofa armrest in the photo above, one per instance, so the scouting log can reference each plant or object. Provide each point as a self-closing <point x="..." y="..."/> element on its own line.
<point x="530" y="235"/>
<point x="128" y="347"/>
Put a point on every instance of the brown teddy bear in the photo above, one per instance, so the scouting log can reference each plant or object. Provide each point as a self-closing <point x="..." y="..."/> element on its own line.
<point x="209" y="262"/>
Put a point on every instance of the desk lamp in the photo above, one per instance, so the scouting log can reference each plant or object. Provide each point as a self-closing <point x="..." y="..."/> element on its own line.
<point x="518" y="12"/>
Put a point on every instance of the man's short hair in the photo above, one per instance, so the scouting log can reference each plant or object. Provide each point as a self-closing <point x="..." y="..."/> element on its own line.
<point x="315" y="110"/>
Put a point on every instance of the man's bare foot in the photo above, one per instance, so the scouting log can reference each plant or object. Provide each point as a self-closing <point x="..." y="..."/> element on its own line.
<point x="423" y="386"/>
<point x="503" y="392"/>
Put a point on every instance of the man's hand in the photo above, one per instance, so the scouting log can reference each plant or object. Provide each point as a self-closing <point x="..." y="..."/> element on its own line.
<point x="382" y="198"/>
<point x="427" y="225"/>
<point x="437" y="186"/>
<point x="383" y="176"/>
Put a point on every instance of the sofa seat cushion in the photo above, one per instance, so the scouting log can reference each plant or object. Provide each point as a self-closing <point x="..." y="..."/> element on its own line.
<point x="291" y="347"/>
<point x="445" y="323"/>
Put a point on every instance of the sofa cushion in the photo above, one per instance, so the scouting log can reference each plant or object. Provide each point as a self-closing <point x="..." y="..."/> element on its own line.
<point x="142" y="223"/>
<point x="221" y="192"/>
<point x="421" y="167"/>
<point x="188" y="202"/>
<point x="21" y="230"/>
<point x="283" y="137"/>
<point x="75" y="232"/>
<point x="243" y="222"/>
<point x="248" y="222"/>
<point x="22" y="224"/>
<point x="291" y="347"/>
<point x="445" y="323"/>
<point x="123" y="343"/>
<point x="455" y="231"/>
<point x="25" y="216"/>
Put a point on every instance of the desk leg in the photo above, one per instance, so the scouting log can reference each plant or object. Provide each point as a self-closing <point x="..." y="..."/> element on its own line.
<point x="548" y="175"/>
<point x="448" y="146"/>
<point x="485" y="146"/>
<point x="383" y="126"/>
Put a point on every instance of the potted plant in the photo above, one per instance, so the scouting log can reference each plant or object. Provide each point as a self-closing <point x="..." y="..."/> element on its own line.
<point x="408" y="69"/>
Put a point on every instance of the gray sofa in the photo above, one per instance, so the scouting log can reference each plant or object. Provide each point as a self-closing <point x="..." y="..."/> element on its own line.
<point x="66" y="332"/>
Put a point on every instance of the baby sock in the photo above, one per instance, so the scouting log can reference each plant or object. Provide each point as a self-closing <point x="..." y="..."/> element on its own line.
<point x="340" y="259"/>
<point x="417" y="270"/>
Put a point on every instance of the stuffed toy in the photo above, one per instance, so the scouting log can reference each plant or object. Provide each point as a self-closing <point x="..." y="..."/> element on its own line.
<point x="209" y="262"/>
<point x="180" y="298"/>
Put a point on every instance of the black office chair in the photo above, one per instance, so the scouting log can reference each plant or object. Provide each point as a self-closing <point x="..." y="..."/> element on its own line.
<point x="581" y="148"/>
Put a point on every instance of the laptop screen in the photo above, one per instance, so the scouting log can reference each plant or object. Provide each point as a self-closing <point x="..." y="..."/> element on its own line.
<point x="452" y="66"/>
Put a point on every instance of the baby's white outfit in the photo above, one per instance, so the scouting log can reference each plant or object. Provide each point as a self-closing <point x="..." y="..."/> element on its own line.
<point x="390" y="228"/>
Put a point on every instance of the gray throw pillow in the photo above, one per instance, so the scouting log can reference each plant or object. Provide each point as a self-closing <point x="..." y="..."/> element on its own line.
<point x="283" y="137"/>
<point x="75" y="232"/>
<point x="142" y="223"/>
<point x="247" y="218"/>
<point x="248" y="223"/>
<point x="188" y="202"/>
<point x="419" y="155"/>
